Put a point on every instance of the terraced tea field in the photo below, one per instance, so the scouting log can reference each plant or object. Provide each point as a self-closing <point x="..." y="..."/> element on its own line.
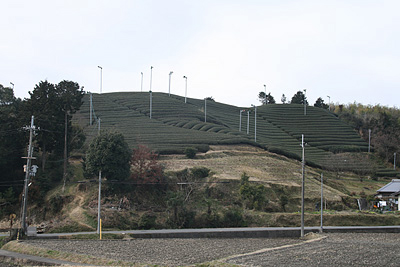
<point x="175" y="125"/>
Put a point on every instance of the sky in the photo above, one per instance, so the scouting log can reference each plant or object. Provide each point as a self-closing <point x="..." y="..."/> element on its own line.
<point x="227" y="49"/>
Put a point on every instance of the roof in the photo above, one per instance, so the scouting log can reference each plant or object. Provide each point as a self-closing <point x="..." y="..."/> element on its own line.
<point x="392" y="187"/>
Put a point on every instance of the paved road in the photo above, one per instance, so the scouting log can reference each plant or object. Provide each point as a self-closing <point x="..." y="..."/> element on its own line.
<point x="238" y="232"/>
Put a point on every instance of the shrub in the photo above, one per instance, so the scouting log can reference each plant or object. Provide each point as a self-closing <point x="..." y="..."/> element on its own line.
<point x="200" y="172"/>
<point x="233" y="218"/>
<point x="147" y="221"/>
<point x="190" y="152"/>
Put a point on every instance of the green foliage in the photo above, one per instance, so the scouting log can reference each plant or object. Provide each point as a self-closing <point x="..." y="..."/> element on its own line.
<point x="284" y="200"/>
<point x="320" y="104"/>
<point x="383" y="122"/>
<point x="200" y="172"/>
<point x="12" y="140"/>
<point x="266" y="99"/>
<point x="233" y="218"/>
<point x="175" y="126"/>
<point x="254" y="196"/>
<point x="147" y="221"/>
<point x="299" y="98"/>
<point x="190" y="152"/>
<point x="109" y="153"/>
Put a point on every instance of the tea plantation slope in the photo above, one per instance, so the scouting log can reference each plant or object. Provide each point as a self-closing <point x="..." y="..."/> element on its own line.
<point x="128" y="113"/>
<point x="321" y="128"/>
<point x="176" y="125"/>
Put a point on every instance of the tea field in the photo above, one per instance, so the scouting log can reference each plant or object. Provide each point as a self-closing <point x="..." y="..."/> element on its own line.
<point x="175" y="125"/>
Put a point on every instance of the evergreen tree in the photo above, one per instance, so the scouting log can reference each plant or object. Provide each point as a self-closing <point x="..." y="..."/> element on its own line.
<point x="320" y="103"/>
<point x="299" y="98"/>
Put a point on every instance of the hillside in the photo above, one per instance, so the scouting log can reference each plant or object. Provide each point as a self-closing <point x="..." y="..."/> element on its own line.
<point x="176" y="125"/>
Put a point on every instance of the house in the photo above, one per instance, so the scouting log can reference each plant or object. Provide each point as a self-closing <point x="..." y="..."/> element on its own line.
<point x="390" y="195"/>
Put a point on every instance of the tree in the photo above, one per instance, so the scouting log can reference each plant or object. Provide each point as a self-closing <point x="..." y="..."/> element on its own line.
<point x="110" y="154"/>
<point x="145" y="168"/>
<point x="266" y="99"/>
<point x="283" y="99"/>
<point x="6" y="95"/>
<point x="70" y="95"/>
<point x="320" y="103"/>
<point x="13" y="140"/>
<point x="52" y="105"/>
<point x="299" y="98"/>
<point x="253" y="196"/>
<point x="45" y="105"/>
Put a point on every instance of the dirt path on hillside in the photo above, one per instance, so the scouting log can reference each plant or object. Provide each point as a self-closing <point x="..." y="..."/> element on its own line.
<point x="77" y="213"/>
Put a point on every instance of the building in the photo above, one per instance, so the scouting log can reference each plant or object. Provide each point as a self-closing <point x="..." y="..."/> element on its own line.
<point x="389" y="195"/>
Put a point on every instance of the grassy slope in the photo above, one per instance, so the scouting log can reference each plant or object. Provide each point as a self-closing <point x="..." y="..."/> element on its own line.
<point x="176" y="125"/>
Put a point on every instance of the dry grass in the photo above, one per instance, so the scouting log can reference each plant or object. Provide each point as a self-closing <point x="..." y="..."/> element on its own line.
<point x="20" y="247"/>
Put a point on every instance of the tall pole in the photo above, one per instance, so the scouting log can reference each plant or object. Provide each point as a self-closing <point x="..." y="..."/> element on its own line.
<point x="27" y="174"/>
<point x="151" y="76"/>
<point x="169" y="84"/>
<point x="322" y="201"/>
<point x="329" y="102"/>
<point x="65" y="150"/>
<point x="304" y="100"/>
<point x="302" y="184"/>
<point x="184" y="77"/>
<point x="151" y="102"/>
<point x="99" y="198"/>
<point x="141" y="82"/>
<point x="205" y="109"/>
<point x="265" y="89"/>
<point x="248" y="121"/>
<point x="240" y="119"/>
<point x="91" y="108"/>
<point x="255" y="123"/>
<point x="101" y="78"/>
<point x="369" y="140"/>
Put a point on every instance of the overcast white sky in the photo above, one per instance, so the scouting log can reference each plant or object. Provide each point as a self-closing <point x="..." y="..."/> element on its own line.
<point x="228" y="49"/>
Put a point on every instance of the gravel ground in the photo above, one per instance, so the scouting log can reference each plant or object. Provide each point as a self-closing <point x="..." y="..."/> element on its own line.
<point x="170" y="251"/>
<point x="350" y="249"/>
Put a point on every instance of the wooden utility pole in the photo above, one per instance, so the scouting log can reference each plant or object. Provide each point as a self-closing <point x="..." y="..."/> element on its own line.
<point x="27" y="176"/>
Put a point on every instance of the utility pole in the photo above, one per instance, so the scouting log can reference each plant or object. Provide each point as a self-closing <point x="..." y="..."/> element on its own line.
<point x="169" y="83"/>
<point x="369" y="140"/>
<point x="91" y="108"/>
<point x="99" y="201"/>
<point x="302" y="184"/>
<point x="185" y="77"/>
<point x="248" y="121"/>
<point x="151" y="102"/>
<point x="101" y="78"/>
<point x="322" y="201"/>
<point x="141" y="83"/>
<point x="27" y="174"/>
<point x="255" y="123"/>
<point x="151" y="76"/>
<point x="205" y="109"/>
<point x="65" y="149"/>
<point x="240" y="119"/>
